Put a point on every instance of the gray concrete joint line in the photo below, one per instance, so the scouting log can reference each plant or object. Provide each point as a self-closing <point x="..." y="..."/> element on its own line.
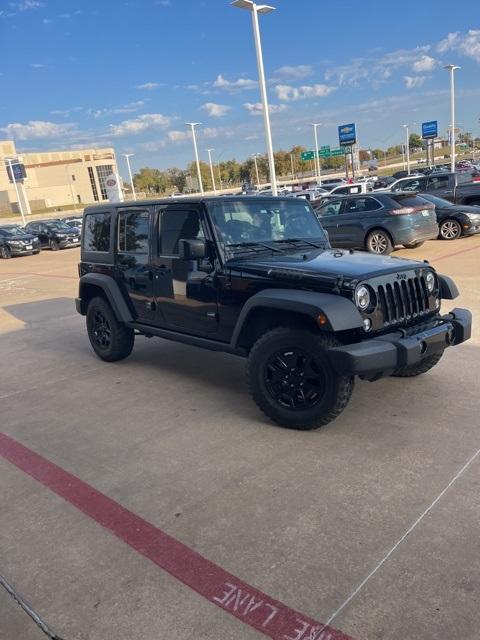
<point x="28" y="610"/>
<point x="404" y="536"/>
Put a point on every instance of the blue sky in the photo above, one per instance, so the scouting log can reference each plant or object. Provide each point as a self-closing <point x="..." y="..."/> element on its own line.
<point x="130" y="73"/>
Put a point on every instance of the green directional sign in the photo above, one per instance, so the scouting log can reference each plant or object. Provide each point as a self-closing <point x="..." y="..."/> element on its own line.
<point x="307" y="155"/>
<point x="334" y="153"/>
<point x="324" y="152"/>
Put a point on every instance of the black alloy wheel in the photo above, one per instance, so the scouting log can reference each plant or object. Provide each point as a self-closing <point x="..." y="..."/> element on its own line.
<point x="101" y="330"/>
<point x="110" y="339"/>
<point x="294" y="379"/>
<point x="54" y="245"/>
<point x="5" y="252"/>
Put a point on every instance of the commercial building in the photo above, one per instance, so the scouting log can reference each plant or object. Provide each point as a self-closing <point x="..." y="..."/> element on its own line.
<point x="53" y="178"/>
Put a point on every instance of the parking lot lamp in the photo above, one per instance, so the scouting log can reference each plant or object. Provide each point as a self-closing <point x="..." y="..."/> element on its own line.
<point x="192" y="125"/>
<point x="317" y="159"/>
<point x="452" y="68"/>
<point x="407" y="147"/>
<point x="127" y="158"/>
<point x="255" y="9"/>
<point x="209" y="151"/>
<point x="254" y="156"/>
<point x="20" y="206"/>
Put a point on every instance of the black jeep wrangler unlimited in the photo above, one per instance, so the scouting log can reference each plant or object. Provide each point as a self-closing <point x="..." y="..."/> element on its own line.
<point x="256" y="276"/>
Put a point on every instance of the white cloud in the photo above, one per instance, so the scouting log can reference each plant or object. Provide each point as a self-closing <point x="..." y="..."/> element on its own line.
<point x="424" y="63"/>
<point x="148" y="86"/>
<point x="413" y="82"/>
<point x="256" y="108"/>
<point x="37" y="65"/>
<point x="467" y="44"/>
<point x="27" y="5"/>
<point x="178" y="136"/>
<point x="238" y="85"/>
<point x="107" y="111"/>
<point x="36" y="129"/>
<point x="295" y="72"/>
<point x="146" y="122"/>
<point x="285" y="92"/>
<point x="215" y="110"/>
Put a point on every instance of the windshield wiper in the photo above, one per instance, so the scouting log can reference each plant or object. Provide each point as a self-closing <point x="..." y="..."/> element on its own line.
<point x="252" y="245"/>
<point x="309" y="242"/>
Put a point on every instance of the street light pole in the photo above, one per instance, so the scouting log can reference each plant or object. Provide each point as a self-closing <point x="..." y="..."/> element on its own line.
<point x="127" y="158"/>
<point x="254" y="156"/>
<point x="192" y="125"/>
<point x="255" y="10"/>
<point x="291" y="163"/>
<point x="20" y="206"/>
<point x="209" y="151"/>
<point x="407" y="147"/>
<point x="317" y="159"/>
<point x="452" y="68"/>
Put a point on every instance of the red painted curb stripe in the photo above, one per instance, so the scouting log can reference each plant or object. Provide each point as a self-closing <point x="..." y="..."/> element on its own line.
<point x="455" y="253"/>
<point x="248" y="604"/>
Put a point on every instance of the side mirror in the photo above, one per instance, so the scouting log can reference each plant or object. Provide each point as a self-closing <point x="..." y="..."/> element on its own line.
<point x="192" y="249"/>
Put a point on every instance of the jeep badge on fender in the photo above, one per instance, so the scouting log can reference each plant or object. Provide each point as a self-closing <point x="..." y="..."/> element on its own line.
<point x="256" y="277"/>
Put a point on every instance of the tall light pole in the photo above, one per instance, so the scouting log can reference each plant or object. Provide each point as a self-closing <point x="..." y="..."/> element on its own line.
<point x="407" y="147"/>
<point x="452" y="68"/>
<point x="127" y="158"/>
<point x="192" y="125"/>
<point x="209" y="151"/>
<point x="20" y="206"/>
<point x="291" y="164"/>
<point x="255" y="9"/>
<point x="254" y="156"/>
<point x="317" y="159"/>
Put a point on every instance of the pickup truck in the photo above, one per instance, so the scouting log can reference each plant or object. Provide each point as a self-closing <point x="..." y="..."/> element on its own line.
<point x="459" y="188"/>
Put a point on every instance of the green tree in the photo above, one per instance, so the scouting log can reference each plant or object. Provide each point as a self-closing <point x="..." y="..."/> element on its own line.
<point x="415" y="141"/>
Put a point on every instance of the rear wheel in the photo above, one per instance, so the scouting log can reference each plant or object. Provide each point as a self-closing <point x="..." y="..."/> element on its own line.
<point x="379" y="242"/>
<point x="421" y="367"/>
<point x="449" y="229"/>
<point x="5" y="252"/>
<point x="292" y="381"/>
<point x="54" y="246"/>
<point x="111" y="340"/>
<point x="413" y="245"/>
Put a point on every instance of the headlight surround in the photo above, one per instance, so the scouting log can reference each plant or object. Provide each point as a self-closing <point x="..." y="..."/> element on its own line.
<point x="363" y="297"/>
<point x="431" y="282"/>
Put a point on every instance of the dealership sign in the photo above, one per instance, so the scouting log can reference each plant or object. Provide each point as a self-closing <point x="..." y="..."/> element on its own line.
<point x="347" y="134"/>
<point x="430" y="129"/>
<point x="15" y="170"/>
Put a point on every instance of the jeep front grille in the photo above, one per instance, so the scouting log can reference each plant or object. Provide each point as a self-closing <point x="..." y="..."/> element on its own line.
<point x="403" y="299"/>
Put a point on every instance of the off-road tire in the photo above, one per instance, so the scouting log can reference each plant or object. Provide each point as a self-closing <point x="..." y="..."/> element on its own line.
<point x="413" y="245"/>
<point x="337" y="389"/>
<point x="118" y="340"/>
<point x="54" y="246"/>
<point x="5" y="252"/>
<point x="377" y="238"/>
<point x="421" y="367"/>
<point x="449" y="229"/>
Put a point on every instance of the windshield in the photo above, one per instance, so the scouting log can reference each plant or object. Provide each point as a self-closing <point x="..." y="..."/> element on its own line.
<point x="13" y="231"/>
<point x="239" y="222"/>
<point x="58" y="225"/>
<point x="439" y="202"/>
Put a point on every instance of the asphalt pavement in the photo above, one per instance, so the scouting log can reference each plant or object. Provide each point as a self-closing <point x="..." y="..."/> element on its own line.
<point x="163" y="501"/>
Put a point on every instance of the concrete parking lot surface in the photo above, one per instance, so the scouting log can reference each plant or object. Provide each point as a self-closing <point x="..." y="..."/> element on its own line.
<point x="316" y="521"/>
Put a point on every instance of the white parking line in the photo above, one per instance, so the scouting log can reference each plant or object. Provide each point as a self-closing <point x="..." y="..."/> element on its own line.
<point x="397" y="544"/>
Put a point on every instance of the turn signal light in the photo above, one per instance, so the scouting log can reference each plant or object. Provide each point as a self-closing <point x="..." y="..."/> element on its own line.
<point x="322" y="320"/>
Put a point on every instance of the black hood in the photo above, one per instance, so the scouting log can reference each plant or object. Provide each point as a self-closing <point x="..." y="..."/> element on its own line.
<point x="26" y="237"/>
<point x="332" y="263"/>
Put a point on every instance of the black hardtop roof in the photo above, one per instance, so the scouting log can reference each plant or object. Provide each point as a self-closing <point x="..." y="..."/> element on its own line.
<point x="182" y="200"/>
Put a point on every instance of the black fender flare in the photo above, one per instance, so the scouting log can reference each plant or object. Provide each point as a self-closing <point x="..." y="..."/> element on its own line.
<point x="341" y="314"/>
<point x="111" y="291"/>
<point x="448" y="288"/>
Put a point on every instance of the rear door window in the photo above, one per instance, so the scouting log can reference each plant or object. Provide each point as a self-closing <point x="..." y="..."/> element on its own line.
<point x="96" y="236"/>
<point x="361" y="205"/>
<point x="133" y="231"/>
<point x="438" y="182"/>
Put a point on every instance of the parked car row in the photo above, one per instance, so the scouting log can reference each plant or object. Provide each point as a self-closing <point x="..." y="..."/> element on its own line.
<point x="55" y="234"/>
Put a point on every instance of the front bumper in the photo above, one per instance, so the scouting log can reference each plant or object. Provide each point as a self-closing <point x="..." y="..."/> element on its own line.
<point x="384" y="354"/>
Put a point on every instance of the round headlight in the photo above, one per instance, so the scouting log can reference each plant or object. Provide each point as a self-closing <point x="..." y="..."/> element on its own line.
<point x="430" y="281"/>
<point x="362" y="297"/>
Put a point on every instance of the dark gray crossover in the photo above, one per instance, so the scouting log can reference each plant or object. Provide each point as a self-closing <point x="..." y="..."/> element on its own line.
<point x="378" y="221"/>
<point x="257" y="277"/>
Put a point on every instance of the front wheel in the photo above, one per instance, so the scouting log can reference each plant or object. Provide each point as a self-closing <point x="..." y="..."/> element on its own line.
<point x="5" y="252"/>
<point x="421" y="367"/>
<point x="292" y="381"/>
<point x="449" y="230"/>
<point x="54" y="246"/>
<point x="111" y="340"/>
<point x="379" y="242"/>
